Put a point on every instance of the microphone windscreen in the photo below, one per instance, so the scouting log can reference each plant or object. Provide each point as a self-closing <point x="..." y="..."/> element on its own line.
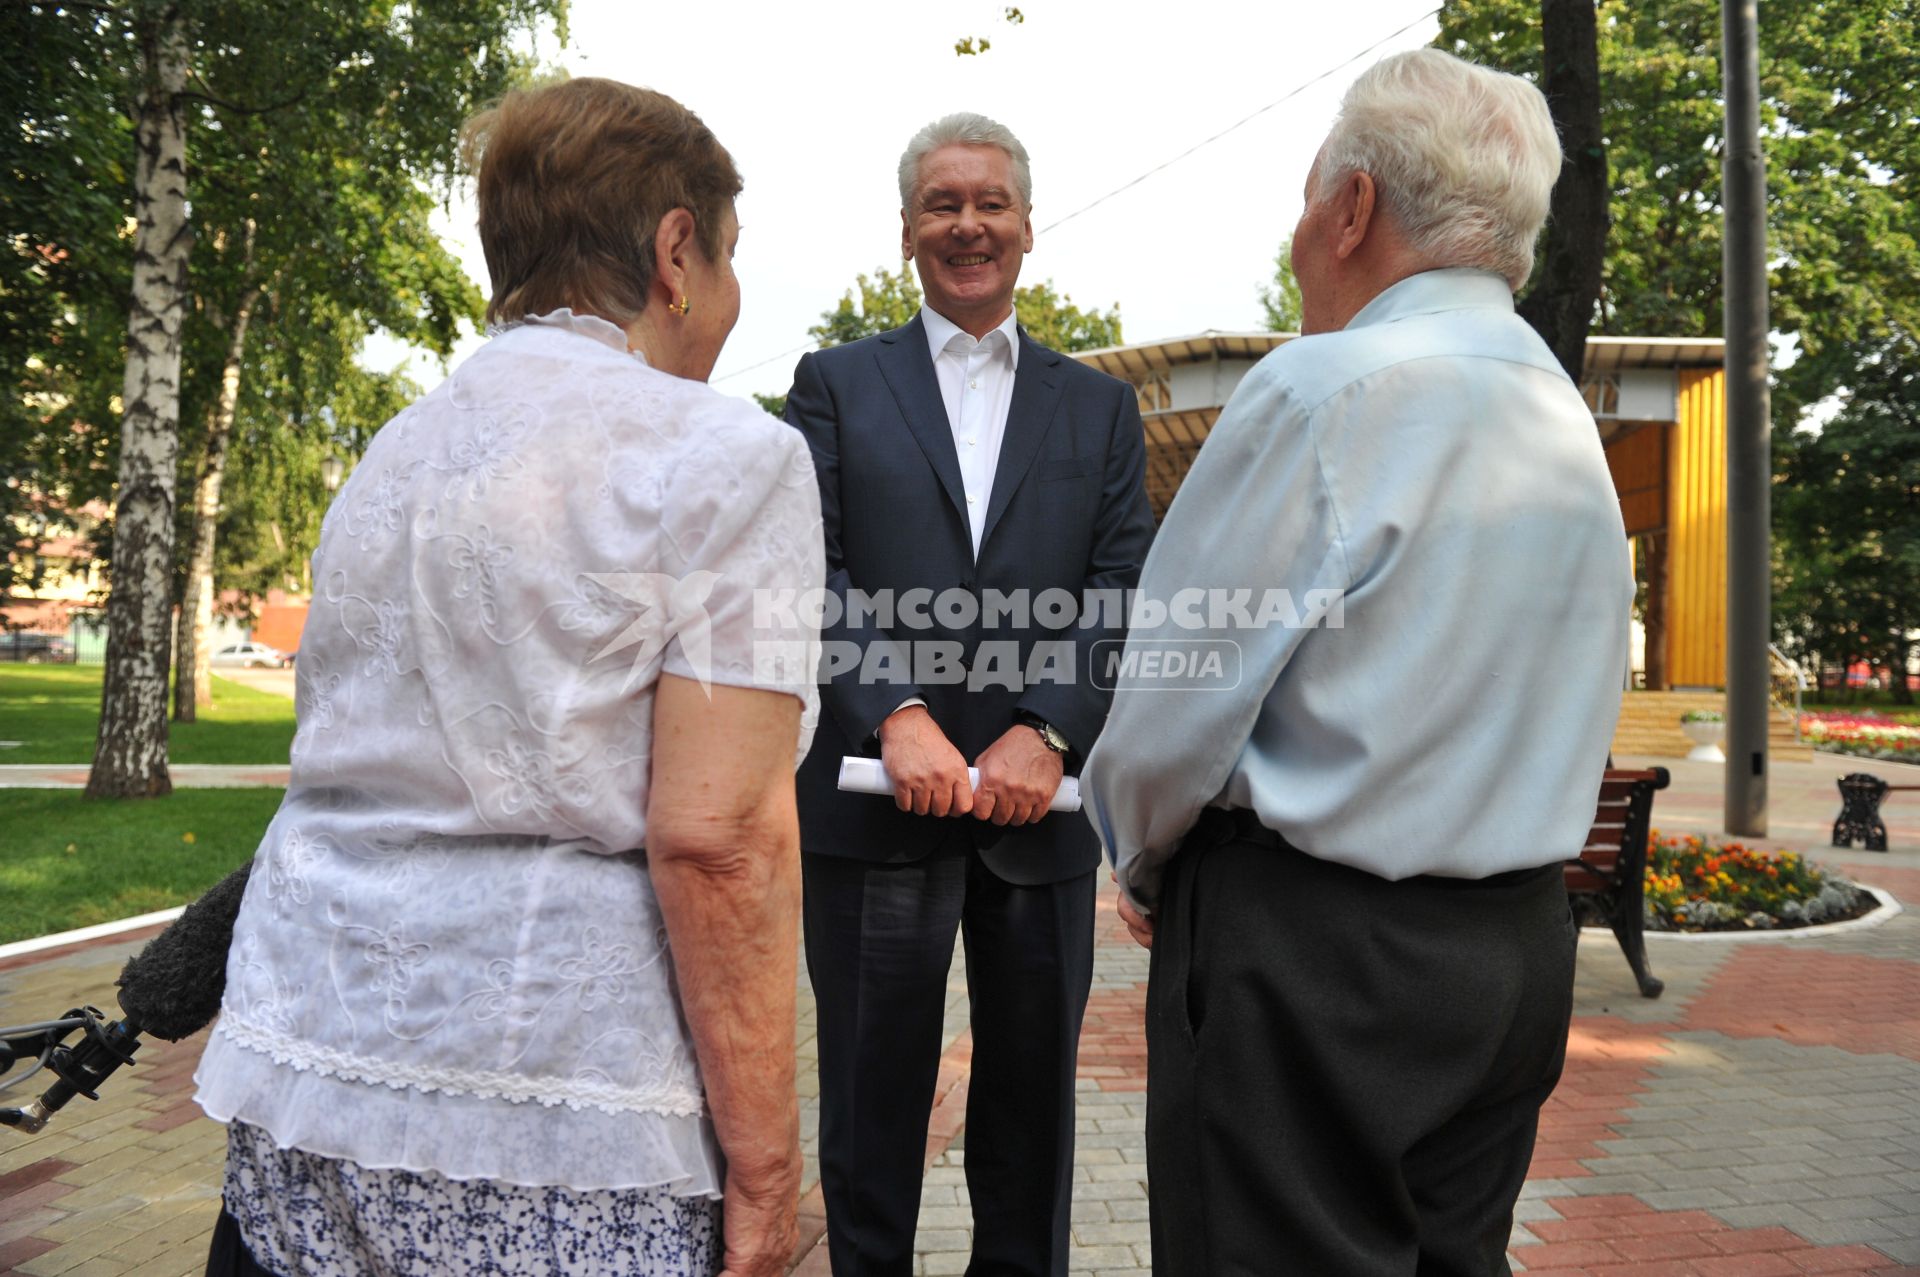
<point x="172" y="988"/>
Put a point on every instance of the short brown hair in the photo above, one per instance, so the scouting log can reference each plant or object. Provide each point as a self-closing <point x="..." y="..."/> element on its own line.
<point x="573" y="181"/>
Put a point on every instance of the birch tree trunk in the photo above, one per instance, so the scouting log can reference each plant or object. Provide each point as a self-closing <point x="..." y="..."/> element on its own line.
<point x="130" y="757"/>
<point x="193" y="644"/>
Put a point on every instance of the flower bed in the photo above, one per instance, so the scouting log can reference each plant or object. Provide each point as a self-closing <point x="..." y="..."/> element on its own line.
<point x="1862" y="735"/>
<point x="1694" y="884"/>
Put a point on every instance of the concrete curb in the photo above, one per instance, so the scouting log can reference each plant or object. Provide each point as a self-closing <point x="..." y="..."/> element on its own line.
<point x="82" y="936"/>
<point x="1888" y="909"/>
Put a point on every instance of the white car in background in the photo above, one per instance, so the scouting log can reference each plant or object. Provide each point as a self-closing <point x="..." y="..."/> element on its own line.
<point x="253" y="656"/>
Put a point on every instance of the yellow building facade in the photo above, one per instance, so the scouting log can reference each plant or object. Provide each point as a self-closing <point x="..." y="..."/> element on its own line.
<point x="1672" y="481"/>
<point x="1658" y="403"/>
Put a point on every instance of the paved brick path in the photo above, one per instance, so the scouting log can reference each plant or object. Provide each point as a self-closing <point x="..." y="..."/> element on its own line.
<point x="1761" y="1118"/>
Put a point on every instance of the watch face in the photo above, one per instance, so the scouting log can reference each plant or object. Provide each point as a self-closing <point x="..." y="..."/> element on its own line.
<point x="1049" y="734"/>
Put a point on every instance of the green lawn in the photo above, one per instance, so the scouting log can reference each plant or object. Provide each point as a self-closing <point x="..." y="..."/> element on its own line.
<point x="68" y="862"/>
<point x="52" y="710"/>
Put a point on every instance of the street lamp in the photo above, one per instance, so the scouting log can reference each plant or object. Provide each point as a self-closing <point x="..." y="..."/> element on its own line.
<point x="332" y="470"/>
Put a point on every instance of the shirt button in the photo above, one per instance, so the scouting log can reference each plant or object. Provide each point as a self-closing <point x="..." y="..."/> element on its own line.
<point x="973" y="385"/>
<point x="969" y="500"/>
<point x="971" y="442"/>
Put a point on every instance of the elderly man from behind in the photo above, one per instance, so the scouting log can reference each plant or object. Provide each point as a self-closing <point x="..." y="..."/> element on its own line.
<point x="1347" y="863"/>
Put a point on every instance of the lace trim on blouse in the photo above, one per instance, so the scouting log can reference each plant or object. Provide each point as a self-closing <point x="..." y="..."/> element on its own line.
<point x="604" y="331"/>
<point x="661" y="1095"/>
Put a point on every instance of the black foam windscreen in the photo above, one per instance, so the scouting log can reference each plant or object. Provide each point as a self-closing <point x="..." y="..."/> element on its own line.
<point x="172" y="988"/>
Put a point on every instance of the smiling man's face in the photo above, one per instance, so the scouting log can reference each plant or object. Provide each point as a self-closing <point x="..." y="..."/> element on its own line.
<point x="966" y="233"/>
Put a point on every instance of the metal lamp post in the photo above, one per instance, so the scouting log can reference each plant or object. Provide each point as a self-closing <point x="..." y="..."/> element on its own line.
<point x="1749" y="425"/>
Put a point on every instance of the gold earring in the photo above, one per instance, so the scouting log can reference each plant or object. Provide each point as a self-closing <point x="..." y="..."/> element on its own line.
<point x="686" y="304"/>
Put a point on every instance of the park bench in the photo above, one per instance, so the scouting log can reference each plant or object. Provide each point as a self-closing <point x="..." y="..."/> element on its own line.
<point x="1612" y="867"/>
<point x="1860" y="797"/>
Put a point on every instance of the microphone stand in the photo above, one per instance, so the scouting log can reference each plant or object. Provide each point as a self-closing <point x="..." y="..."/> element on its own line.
<point x="168" y="990"/>
<point x="80" y="1069"/>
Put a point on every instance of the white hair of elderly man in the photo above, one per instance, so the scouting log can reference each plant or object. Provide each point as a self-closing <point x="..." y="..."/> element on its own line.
<point x="964" y="128"/>
<point x="1463" y="157"/>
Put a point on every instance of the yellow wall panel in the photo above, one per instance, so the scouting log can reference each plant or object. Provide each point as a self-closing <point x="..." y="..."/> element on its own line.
<point x="1697" y="523"/>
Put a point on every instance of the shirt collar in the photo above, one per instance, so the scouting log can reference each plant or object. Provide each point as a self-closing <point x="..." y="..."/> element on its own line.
<point x="1436" y="290"/>
<point x="604" y="331"/>
<point x="941" y="330"/>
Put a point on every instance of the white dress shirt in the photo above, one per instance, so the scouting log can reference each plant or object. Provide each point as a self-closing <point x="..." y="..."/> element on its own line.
<point x="1434" y="463"/>
<point x="449" y="956"/>
<point x="976" y="384"/>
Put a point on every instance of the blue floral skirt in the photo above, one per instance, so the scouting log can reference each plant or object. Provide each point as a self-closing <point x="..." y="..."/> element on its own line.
<point x="302" y="1215"/>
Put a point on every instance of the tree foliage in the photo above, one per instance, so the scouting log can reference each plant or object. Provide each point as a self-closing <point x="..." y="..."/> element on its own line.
<point x="972" y="46"/>
<point x="1847" y="520"/>
<point x="1280" y="296"/>
<point x="68" y="162"/>
<point x="890" y="299"/>
<point x="875" y="304"/>
<point x="315" y="135"/>
<point x="1052" y="319"/>
<point x="1837" y="109"/>
<point x="1843" y="171"/>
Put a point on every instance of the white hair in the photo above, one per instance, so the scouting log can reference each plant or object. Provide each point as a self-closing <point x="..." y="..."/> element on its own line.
<point x="1463" y="156"/>
<point x="964" y="128"/>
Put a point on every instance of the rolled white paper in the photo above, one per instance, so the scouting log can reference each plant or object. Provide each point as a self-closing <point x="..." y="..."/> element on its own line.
<point x="869" y="776"/>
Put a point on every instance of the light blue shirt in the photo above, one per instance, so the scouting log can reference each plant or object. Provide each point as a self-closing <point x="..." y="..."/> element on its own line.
<point x="1428" y="489"/>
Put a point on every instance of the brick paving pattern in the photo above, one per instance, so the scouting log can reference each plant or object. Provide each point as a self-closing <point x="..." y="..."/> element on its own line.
<point x="1761" y="1118"/>
<point x="128" y="1185"/>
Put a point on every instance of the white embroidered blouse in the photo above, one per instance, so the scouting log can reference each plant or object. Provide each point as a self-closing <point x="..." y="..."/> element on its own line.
<point x="450" y="957"/>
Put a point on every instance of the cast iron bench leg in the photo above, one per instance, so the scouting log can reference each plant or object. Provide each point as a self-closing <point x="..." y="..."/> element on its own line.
<point x="1629" y="923"/>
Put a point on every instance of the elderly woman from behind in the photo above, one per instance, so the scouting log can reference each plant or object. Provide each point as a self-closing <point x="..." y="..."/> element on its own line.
<point x="469" y="1026"/>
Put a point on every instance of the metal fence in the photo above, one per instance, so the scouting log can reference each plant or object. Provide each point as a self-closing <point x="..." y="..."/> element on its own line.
<point x="84" y="643"/>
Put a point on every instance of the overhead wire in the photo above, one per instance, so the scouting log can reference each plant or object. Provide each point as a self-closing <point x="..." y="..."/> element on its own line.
<point x="1295" y="92"/>
<point x="1242" y="122"/>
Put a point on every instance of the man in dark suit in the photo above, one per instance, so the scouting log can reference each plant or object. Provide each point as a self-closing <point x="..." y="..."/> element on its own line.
<point x="983" y="508"/>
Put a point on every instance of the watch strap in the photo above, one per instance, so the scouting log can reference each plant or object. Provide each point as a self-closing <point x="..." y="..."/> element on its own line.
<point x="1054" y="738"/>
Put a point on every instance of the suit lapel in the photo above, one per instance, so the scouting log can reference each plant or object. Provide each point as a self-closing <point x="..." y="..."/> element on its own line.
<point x="1036" y="394"/>
<point x="908" y="370"/>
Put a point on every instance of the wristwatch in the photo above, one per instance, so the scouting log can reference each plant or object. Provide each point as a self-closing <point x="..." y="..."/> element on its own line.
<point x="1049" y="734"/>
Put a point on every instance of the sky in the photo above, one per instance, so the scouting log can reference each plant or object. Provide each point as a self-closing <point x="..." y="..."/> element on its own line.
<point x="816" y="102"/>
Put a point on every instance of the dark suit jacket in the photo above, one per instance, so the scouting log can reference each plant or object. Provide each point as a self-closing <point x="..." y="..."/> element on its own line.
<point x="1068" y="512"/>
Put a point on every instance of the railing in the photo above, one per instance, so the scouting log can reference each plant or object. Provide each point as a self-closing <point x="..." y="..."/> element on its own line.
<point x="1786" y="674"/>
